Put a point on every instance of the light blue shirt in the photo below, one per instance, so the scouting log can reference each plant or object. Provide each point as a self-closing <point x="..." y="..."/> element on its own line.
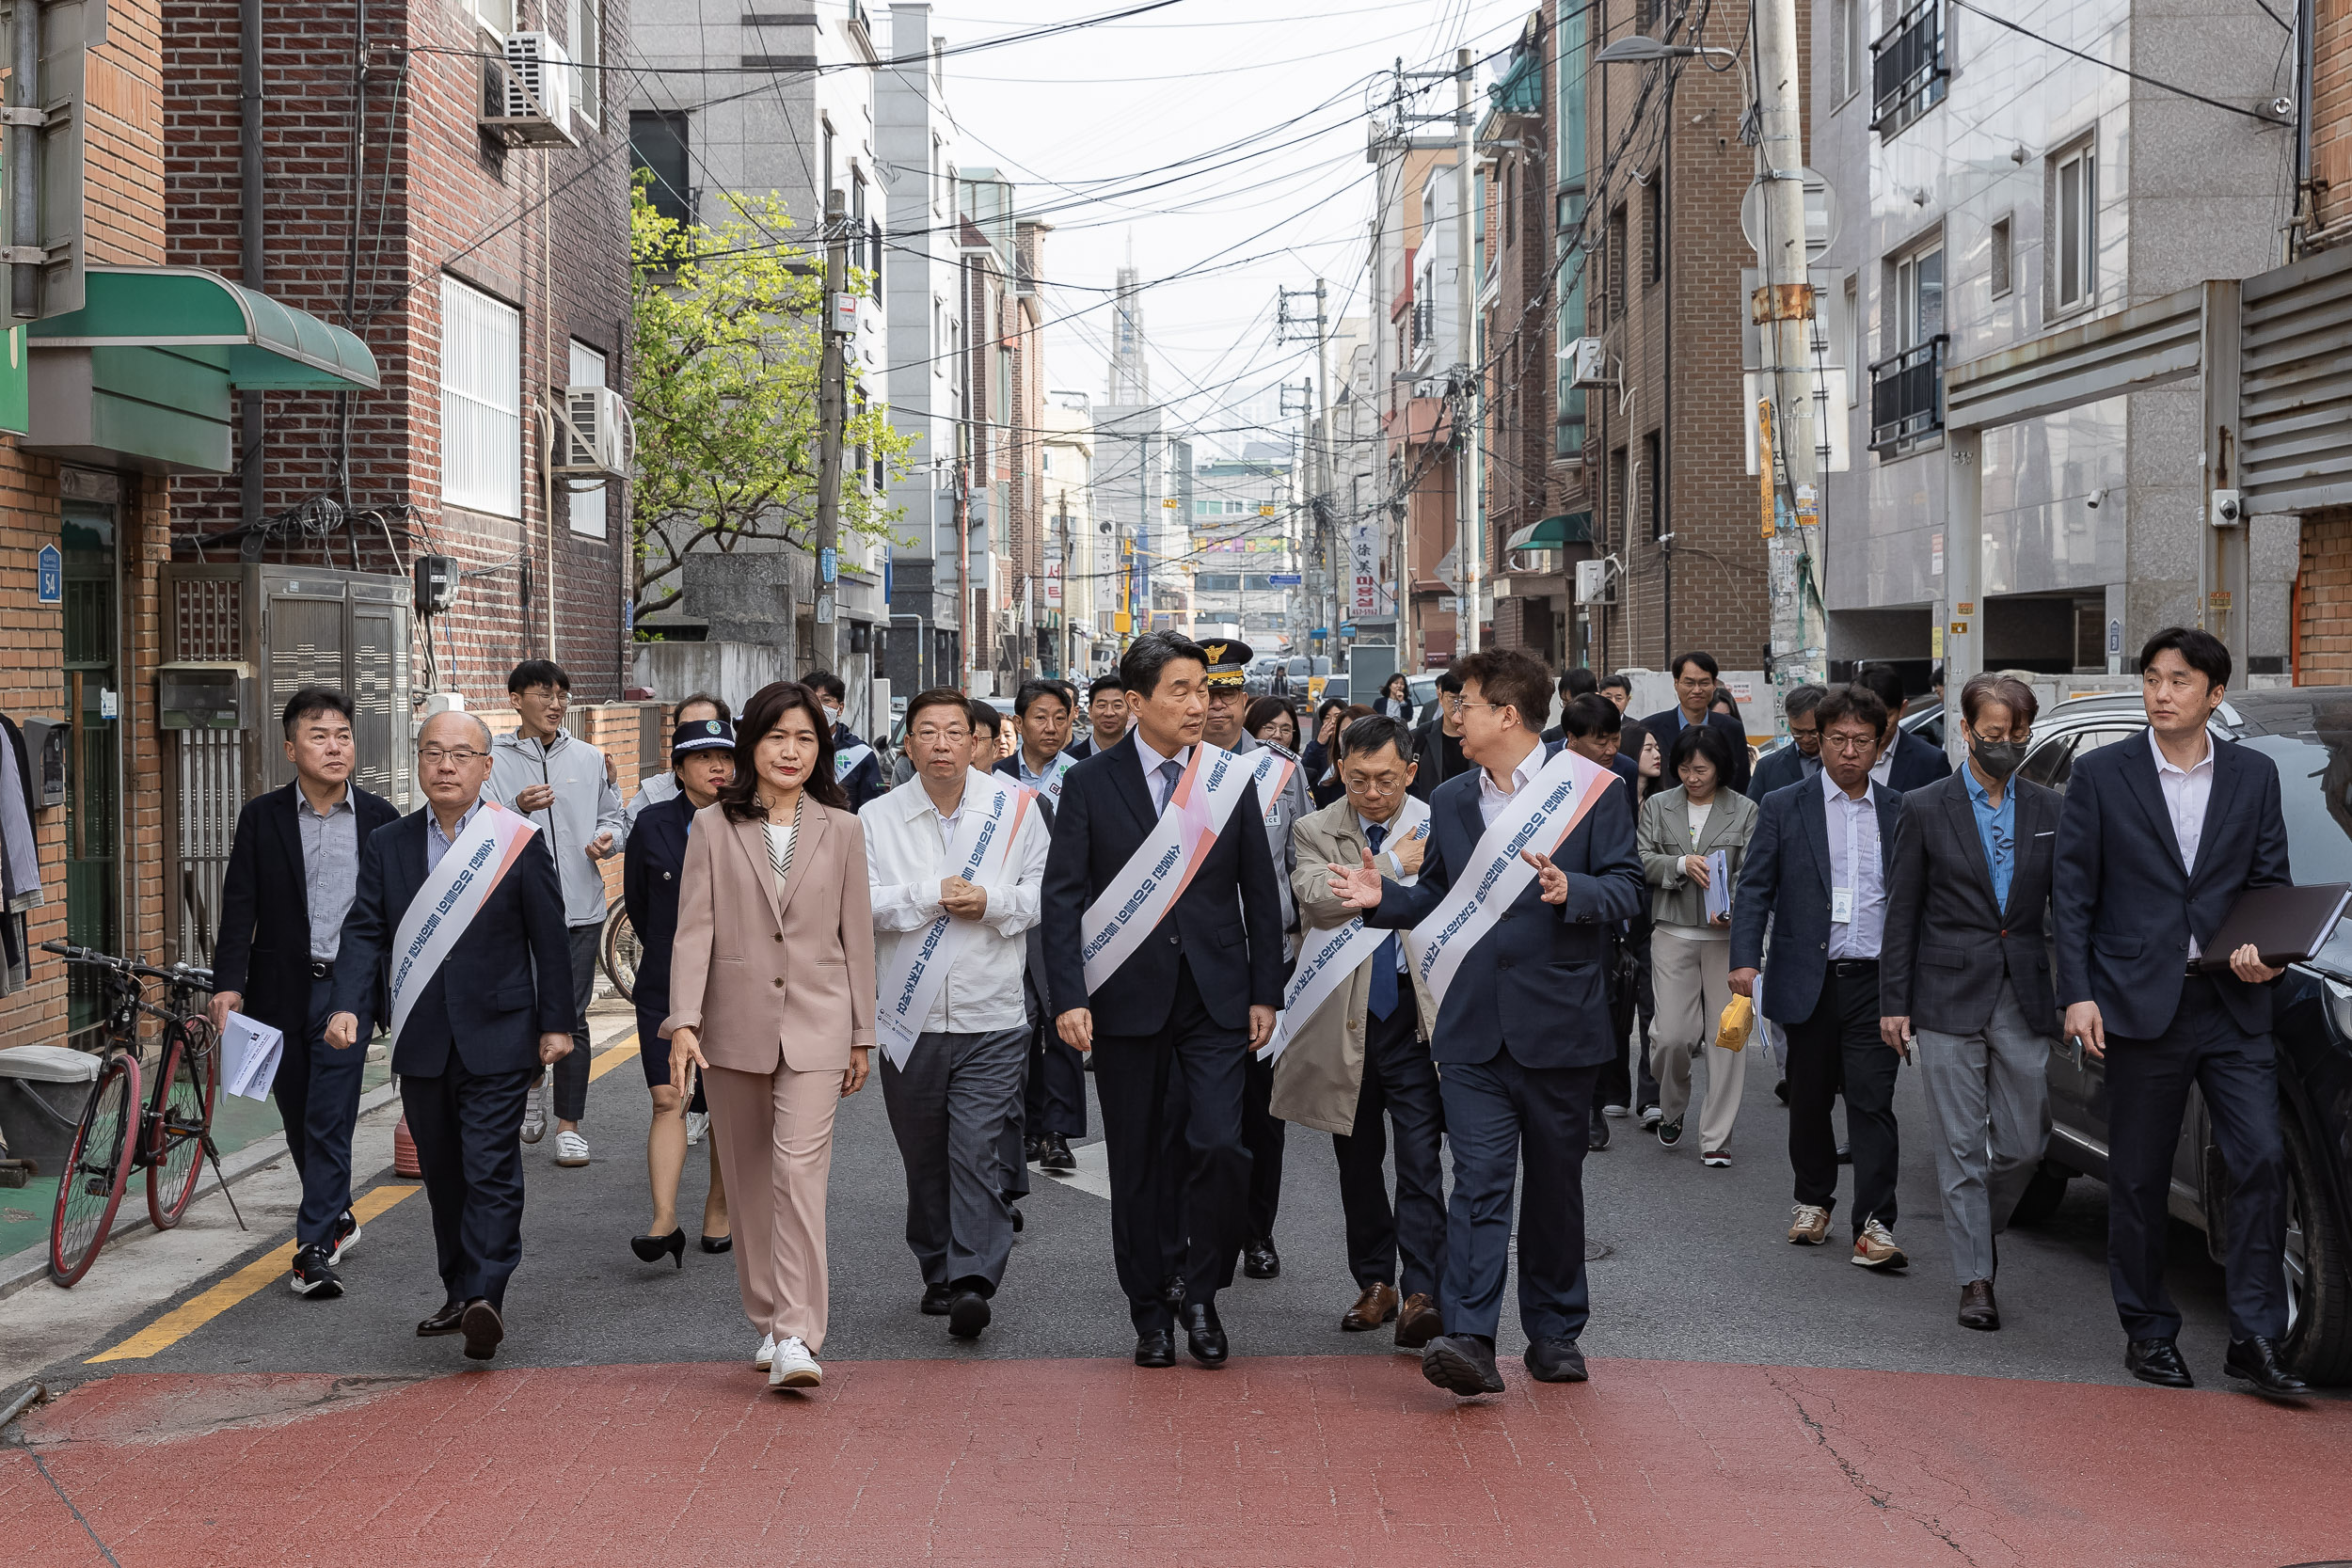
<point x="1854" y="864"/>
<point x="437" y="844"/>
<point x="1997" y="828"/>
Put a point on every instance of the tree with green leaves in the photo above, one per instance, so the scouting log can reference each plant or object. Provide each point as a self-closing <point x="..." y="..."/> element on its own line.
<point x="726" y="324"/>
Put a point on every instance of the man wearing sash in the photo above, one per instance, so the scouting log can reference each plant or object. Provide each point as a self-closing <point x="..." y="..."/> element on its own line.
<point x="955" y="857"/>
<point x="1351" y="1055"/>
<point x="1053" y="1104"/>
<point x="1041" y="712"/>
<point x="1531" y="859"/>
<point x="1157" y="846"/>
<point x="854" y="762"/>
<point x="1282" y="789"/>
<point x="461" y="901"/>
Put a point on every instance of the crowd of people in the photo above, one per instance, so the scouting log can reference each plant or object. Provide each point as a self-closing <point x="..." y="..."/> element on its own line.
<point x="1463" y="941"/>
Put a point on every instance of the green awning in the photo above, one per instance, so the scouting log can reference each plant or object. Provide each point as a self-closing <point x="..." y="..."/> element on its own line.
<point x="1552" y="533"/>
<point x="264" y="346"/>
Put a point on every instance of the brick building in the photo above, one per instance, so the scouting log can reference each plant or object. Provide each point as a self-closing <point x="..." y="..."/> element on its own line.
<point x="2320" y="610"/>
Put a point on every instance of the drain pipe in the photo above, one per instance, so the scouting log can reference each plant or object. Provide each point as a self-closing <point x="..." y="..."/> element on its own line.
<point x="24" y="122"/>
<point x="251" y="414"/>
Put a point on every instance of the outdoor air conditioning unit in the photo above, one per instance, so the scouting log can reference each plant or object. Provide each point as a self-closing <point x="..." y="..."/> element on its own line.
<point x="528" y="96"/>
<point x="594" y="436"/>
<point x="1589" y="365"/>
<point x="1592" y="583"/>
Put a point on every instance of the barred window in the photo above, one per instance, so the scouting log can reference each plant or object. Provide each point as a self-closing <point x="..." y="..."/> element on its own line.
<point x="481" y="417"/>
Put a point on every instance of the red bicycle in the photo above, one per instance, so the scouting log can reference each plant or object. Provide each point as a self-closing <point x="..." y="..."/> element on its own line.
<point x="171" y="1137"/>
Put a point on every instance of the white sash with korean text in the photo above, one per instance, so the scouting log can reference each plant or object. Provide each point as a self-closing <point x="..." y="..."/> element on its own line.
<point x="1273" y="770"/>
<point x="452" y="895"/>
<point x="1156" y="875"/>
<point x="985" y="831"/>
<point x="1327" y="959"/>
<point x="1050" y="784"/>
<point x="1539" y="818"/>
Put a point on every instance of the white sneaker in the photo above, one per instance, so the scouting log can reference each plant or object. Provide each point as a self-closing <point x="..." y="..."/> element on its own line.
<point x="697" y="1123"/>
<point x="1613" y="1110"/>
<point x="1652" y="1116"/>
<point x="766" y="1352"/>
<point x="792" y="1367"/>
<point x="535" y="1114"/>
<point x="570" y="1149"/>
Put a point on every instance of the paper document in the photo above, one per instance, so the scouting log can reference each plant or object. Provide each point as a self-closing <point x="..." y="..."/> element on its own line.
<point x="249" y="1049"/>
<point x="1718" y="884"/>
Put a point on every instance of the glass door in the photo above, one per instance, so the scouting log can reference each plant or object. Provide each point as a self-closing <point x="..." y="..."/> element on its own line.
<point x="93" y="885"/>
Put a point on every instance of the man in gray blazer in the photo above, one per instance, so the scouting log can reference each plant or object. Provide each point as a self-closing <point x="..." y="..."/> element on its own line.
<point x="1963" y="974"/>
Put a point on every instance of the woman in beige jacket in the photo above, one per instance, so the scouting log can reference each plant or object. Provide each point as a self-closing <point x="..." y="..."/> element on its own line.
<point x="772" y="997"/>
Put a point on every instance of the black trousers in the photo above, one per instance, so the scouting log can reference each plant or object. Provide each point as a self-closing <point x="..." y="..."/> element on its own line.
<point x="1400" y="1086"/>
<point x="464" y="1128"/>
<point x="317" y="1089"/>
<point x="1178" y="1167"/>
<point x="1623" y="1081"/>
<point x="1262" y="1131"/>
<point x="1838" y="1051"/>
<point x="2147" y="1095"/>
<point x="1056" y="1097"/>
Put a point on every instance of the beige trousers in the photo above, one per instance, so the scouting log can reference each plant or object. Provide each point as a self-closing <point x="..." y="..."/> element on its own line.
<point x="1692" y="979"/>
<point x="776" y="1148"/>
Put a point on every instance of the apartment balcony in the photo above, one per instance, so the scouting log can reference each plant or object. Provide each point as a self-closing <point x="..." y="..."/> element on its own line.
<point x="1907" y="397"/>
<point x="1908" y="67"/>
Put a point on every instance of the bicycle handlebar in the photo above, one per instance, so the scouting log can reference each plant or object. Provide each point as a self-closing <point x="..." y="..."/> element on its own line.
<point x="178" y="974"/>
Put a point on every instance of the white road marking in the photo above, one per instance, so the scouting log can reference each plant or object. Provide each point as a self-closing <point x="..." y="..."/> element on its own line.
<point x="1094" y="1174"/>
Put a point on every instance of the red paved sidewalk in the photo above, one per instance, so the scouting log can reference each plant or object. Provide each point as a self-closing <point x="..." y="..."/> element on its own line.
<point x="1307" y="1461"/>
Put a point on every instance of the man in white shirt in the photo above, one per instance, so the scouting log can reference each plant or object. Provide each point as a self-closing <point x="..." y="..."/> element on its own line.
<point x="960" y="1087"/>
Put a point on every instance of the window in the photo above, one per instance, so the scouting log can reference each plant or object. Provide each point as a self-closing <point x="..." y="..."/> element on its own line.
<point x="1998" y="261"/>
<point x="939" y="335"/>
<point x="587" y="500"/>
<point x="657" y="147"/>
<point x="1614" y="282"/>
<point x="938" y="188"/>
<point x="1849" y="336"/>
<point x="1906" y="387"/>
<point x="1918" y="297"/>
<point x="1653" y="228"/>
<point x="2073" y="223"/>
<point x="481" y="406"/>
<point x="1619" y="518"/>
<point x="496" y="15"/>
<point x="1848" y="47"/>
<point x="1653" y="509"/>
<point x="586" y="35"/>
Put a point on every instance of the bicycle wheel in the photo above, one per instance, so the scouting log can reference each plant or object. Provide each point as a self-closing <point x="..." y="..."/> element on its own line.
<point x="621" y="950"/>
<point x="183" y="1097"/>
<point x="97" y="1168"/>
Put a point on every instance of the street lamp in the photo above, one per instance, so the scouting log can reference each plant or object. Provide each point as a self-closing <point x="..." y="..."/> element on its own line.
<point x="1639" y="49"/>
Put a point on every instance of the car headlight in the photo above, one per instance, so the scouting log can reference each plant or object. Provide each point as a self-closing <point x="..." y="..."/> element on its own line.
<point x="2339" y="1008"/>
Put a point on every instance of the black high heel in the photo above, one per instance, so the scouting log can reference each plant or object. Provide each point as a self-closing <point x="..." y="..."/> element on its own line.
<point x="650" y="1248"/>
<point x="719" y="1244"/>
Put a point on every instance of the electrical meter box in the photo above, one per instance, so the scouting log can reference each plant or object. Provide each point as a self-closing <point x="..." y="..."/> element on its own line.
<point x="45" y="752"/>
<point x="202" y="696"/>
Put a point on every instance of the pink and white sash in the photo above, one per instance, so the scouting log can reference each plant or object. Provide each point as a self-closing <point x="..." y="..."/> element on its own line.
<point x="1156" y="875"/>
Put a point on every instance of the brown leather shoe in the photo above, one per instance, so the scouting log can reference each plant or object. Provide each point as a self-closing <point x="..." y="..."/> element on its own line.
<point x="1418" y="1322"/>
<point x="1977" y="1306"/>
<point x="1377" y="1306"/>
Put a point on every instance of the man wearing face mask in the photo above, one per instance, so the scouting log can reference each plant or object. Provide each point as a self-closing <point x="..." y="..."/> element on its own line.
<point x="1964" y="981"/>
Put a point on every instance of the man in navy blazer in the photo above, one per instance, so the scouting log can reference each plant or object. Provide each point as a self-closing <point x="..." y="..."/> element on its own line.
<point x="1696" y="680"/>
<point x="275" y="962"/>
<point x="1801" y="759"/>
<point x="1522" y="1031"/>
<point x="2159" y="837"/>
<point x="496" y="1012"/>
<point x="1821" y="884"/>
<point x="1176" y="1023"/>
<point x="1905" y="761"/>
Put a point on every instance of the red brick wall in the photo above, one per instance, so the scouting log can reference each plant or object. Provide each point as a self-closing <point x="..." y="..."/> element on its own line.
<point x="2323" y="601"/>
<point x="32" y="647"/>
<point x="2331" y="204"/>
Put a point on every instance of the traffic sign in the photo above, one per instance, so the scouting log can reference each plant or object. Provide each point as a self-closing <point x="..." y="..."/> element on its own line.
<point x="1283" y="579"/>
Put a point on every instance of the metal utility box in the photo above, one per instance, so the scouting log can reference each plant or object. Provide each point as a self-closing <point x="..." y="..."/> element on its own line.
<point x="202" y="696"/>
<point x="44" y="750"/>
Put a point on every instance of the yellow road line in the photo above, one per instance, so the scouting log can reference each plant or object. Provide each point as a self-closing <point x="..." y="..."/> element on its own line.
<point x="194" y="1313"/>
<point x="622" y="1050"/>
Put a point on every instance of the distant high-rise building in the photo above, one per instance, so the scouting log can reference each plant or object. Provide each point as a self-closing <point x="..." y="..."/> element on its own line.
<point x="1131" y="376"/>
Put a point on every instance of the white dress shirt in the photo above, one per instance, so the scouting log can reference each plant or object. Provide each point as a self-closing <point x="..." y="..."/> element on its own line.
<point x="1161" y="788"/>
<point x="1491" y="799"/>
<point x="906" y="859"/>
<point x="2186" y="793"/>
<point x="1854" y="864"/>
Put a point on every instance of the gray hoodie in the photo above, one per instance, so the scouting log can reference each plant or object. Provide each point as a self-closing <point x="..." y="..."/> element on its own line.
<point x="586" y="805"/>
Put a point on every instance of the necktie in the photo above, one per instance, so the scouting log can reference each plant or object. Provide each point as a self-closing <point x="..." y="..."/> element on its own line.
<point x="1170" y="771"/>
<point x="1384" y="960"/>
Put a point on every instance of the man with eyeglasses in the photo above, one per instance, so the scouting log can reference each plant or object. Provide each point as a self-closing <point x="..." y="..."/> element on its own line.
<point x="1696" y="680"/>
<point x="1801" y="759"/>
<point x="480" y="1005"/>
<point x="1815" y="869"/>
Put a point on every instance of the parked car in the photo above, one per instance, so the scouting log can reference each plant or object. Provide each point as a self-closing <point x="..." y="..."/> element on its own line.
<point x="2306" y="731"/>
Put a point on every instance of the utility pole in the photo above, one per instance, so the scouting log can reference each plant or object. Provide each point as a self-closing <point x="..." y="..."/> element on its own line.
<point x="1320" y="503"/>
<point x="1782" y="307"/>
<point x="1469" y="546"/>
<point x="832" y="413"/>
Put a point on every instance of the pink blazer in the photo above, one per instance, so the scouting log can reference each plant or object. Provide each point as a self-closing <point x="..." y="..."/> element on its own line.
<point x="765" y="981"/>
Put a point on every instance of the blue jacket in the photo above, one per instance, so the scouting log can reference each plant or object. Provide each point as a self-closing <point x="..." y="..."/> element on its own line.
<point x="1785" y="879"/>
<point x="507" y="980"/>
<point x="1537" y="982"/>
<point x="650" y="870"/>
<point x="2122" y="905"/>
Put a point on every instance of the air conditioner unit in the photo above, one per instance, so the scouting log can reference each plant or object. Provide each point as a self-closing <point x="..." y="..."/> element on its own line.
<point x="1592" y="583"/>
<point x="593" y="433"/>
<point x="1589" y="364"/>
<point x="528" y="96"/>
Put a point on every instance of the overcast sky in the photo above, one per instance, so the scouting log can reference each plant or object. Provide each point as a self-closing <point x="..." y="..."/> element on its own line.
<point x="1264" y="108"/>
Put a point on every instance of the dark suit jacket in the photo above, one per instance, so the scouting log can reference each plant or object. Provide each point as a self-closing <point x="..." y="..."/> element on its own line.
<point x="264" y="947"/>
<point x="2124" y="908"/>
<point x="1778" y="771"/>
<point x="1667" y="726"/>
<point x="1784" y="880"/>
<point x="1916" y="764"/>
<point x="650" y="870"/>
<point x="1035" y="985"/>
<point x="507" y="980"/>
<point x="1227" y="924"/>
<point x="1538" y="981"/>
<point x="1948" y="944"/>
<point x="1430" y="756"/>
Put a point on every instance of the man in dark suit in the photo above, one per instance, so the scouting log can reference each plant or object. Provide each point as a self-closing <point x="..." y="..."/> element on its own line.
<point x="275" y="962"/>
<point x="1438" y="743"/>
<point x="1695" y="681"/>
<point x="1176" y="1021"/>
<point x="1522" y="1031"/>
<point x="1053" y="1098"/>
<point x="1801" y="759"/>
<point x="1574" y="683"/>
<point x="855" y="763"/>
<point x="1106" y="718"/>
<point x="1815" y="871"/>
<point x="496" y="1010"/>
<point x="1905" y="762"/>
<point x="1963" y="972"/>
<point x="2158" y="838"/>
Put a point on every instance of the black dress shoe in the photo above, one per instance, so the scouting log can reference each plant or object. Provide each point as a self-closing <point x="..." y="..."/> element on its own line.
<point x="967" y="1314"/>
<point x="1056" y="1156"/>
<point x="1555" y="1361"/>
<point x="1204" y="1336"/>
<point x="1845" y="1154"/>
<point x="1780" y="1091"/>
<point x="1033" y="1147"/>
<point x="2157" y="1361"/>
<point x="1461" y="1364"/>
<point x="1155" y="1347"/>
<point x="1172" y="1292"/>
<point x="1978" y="1309"/>
<point x="936" y="1300"/>
<point x="1600" y="1137"/>
<point x="1258" y="1260"/>
<point x="2257" y="1361"/>
<point x="443" y="1322"/>
<point x="483" y="1328"/>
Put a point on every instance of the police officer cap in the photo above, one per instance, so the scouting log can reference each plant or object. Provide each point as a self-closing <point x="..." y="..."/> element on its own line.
<point x="1229" y="662"/>
<point x="701" y="734"/>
